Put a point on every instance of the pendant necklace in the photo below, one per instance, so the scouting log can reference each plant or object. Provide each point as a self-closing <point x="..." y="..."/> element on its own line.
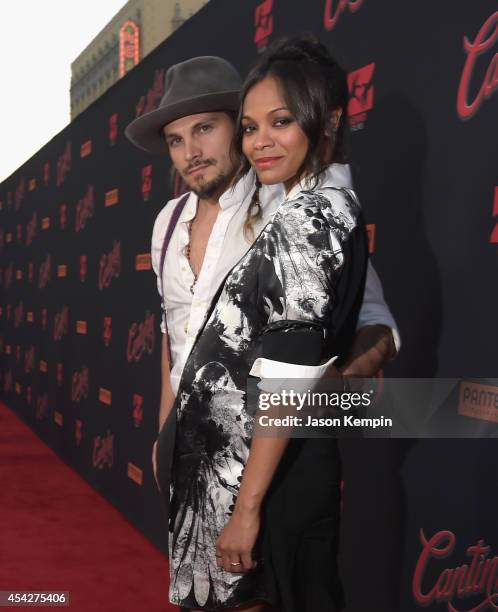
<point x="187" y="253"/>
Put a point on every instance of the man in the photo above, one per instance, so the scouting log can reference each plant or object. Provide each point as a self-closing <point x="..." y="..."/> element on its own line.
<point x="195" y="124"/>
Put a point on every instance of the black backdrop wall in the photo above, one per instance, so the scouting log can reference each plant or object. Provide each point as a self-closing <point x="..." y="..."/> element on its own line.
<point x="80" y="340"/>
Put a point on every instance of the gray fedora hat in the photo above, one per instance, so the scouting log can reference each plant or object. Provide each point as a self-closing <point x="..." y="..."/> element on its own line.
<point x="198" y="85"/>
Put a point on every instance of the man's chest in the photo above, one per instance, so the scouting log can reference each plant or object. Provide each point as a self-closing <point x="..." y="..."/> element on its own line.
<point x="199" y="232"/>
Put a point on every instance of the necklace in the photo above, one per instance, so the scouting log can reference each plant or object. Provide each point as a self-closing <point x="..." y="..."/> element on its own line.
<point x="187" y="253"/>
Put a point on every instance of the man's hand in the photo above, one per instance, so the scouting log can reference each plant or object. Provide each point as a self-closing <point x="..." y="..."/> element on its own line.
<point x="154" y="464"/>
<point x="237" y="540"/>
<point x="372" y="348"/>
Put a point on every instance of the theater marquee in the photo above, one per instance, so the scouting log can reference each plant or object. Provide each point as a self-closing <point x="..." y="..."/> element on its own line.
<point x="129" y="46"/>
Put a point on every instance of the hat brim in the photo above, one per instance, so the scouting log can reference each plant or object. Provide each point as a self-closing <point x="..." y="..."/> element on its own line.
<point x="146" y="131"/>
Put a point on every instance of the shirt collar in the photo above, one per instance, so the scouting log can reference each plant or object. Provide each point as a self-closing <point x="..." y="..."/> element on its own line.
<point x="336" y="175"/>
<point x="234" y="195"/>
<point x="190" y="209"/>
<point x="238" y="192"/>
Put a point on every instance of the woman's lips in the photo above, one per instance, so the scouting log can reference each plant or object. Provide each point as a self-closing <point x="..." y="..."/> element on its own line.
<point x="266" y="162"/>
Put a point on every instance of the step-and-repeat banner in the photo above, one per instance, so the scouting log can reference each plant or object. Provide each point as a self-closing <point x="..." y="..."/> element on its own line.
<point x="79" y="316"/>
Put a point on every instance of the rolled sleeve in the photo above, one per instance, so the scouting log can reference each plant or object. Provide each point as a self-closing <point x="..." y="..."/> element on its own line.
<point x="374" y="309"/>
<point x="274" y="374"/>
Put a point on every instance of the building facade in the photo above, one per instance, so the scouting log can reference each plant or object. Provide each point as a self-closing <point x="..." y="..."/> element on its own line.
<point x="131" y="34"/>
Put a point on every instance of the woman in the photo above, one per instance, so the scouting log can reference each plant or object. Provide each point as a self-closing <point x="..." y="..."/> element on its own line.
<point x="253" y="521"/>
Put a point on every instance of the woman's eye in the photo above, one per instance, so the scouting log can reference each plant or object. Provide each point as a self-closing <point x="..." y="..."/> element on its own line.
<point x="248" y="129"/>
<point x="204" y="128"/>
<point x="283" y="121"/>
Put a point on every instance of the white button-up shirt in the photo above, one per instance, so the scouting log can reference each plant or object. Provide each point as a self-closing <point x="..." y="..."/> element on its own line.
<point x="226" y="245"/>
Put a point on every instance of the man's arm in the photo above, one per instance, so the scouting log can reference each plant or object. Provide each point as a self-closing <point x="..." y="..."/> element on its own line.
<point x="167" y="395"/>
<point x="377" y="338"/>
<point x="158" y="233"/>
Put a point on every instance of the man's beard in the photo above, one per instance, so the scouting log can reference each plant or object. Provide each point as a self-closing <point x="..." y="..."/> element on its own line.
<point x="207" y="189"/>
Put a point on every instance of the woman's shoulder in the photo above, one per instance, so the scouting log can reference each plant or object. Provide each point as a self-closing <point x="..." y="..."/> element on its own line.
<point x="333" y="204"/>
<point x="327" y="197"/>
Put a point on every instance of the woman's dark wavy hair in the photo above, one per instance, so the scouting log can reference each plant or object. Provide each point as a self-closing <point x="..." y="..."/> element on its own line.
<point x="313" y="85"/>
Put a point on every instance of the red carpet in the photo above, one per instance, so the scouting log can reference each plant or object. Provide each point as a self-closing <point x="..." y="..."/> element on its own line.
<point x="57" y="533"/>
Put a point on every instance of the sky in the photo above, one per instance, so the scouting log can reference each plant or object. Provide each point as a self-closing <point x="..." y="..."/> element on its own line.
<point x="39" y="40"/>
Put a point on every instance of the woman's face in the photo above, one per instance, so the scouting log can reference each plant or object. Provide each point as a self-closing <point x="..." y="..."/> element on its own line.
<point x="272" y="140"/>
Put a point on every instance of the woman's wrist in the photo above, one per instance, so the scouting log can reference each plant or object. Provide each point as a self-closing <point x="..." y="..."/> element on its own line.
<point x="245" y="506"/>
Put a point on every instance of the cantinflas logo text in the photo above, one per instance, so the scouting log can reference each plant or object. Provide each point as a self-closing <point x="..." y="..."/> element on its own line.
<point x="470" y="98"/>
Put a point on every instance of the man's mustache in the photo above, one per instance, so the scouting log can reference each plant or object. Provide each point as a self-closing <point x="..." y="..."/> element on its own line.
<point x="204" y="162"/>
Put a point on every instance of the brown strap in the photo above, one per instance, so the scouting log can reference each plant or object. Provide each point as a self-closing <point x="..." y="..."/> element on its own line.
<point x="180" y="205"/>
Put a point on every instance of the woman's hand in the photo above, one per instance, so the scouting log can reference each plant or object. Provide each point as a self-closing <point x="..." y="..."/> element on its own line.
<point x="237" y="541"/>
